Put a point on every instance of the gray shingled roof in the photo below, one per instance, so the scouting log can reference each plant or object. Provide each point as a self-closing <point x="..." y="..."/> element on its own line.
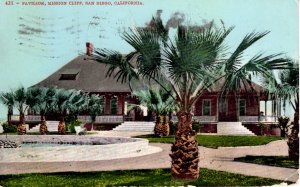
<point x="91" y="77"/>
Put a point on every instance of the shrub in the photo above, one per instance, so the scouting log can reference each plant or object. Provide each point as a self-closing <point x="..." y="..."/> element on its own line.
<point x="9" y="128"/>
<point x="196" y="126"/>
<point x="71" y="125"/>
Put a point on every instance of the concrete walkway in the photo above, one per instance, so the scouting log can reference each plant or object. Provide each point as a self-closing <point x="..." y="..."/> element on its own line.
<point x="216" y="159"/>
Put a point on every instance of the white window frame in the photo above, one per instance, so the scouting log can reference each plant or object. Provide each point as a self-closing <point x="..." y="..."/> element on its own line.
<point x="240" y="107"/>
<point x="209" y="100"/>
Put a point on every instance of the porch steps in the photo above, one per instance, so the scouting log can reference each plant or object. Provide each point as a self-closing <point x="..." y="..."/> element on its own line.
<point x="233" y="128"/>
<point x="136" y="126"/>
<point x="52" y="127"/>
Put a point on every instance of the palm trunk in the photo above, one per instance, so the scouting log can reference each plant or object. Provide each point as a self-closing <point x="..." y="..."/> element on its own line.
<point x="158" y="129"/>
<point x="293" y="139"/>
<point x="166" y="127"/>
<point x="185" y="155"/>
<point x="9" y="114"/>
<point x="61" y="125"/>
<point x="21" y="126"/>
<point x="43" y="126"/>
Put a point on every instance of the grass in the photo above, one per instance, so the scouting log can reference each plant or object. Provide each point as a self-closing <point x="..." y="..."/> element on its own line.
<point x="215" y="141"/>
<point x="279" y="161"/>
<point x="155" y="177"/>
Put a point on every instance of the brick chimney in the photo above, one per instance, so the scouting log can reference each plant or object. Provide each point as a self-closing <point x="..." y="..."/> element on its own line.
<point x="89" y="48"/>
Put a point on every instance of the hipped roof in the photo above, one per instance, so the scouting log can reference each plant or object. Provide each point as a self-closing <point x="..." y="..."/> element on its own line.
<point x="91" y="77"/>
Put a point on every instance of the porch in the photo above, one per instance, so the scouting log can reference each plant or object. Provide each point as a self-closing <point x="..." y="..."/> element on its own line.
<point x="243" y="119"/>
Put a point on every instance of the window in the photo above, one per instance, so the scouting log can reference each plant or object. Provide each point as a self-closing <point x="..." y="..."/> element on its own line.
<point x="113" y="105"/>
<point x="242" y="107"/>
<point x="70" y="74"/>
<point x="206" y="107"/>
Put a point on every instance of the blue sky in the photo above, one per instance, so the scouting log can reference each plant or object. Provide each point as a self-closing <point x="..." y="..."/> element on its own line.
<point x="37" y="40"/>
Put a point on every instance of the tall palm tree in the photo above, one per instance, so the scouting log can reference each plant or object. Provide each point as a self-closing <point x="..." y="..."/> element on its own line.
<point x="191" y="63"/>
<point x="160" y="102"/>
<point x="286" y="88"/>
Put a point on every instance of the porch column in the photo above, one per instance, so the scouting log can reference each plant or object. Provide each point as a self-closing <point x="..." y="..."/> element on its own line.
<point x="107" y="104"/>
<point x="266" y="109"/>
<point x="258" y="109"/>
<point x="121" y="105"/>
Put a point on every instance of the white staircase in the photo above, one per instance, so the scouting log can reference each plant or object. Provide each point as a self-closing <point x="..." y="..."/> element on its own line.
<point x="51" y="125"/>
<point x="136" y="126"/>
<point x="233" y="128"/>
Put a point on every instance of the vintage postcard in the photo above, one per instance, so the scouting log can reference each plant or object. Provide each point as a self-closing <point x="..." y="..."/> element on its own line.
<point x="149" y="92"/>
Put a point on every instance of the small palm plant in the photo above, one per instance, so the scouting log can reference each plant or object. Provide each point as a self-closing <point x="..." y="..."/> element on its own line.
<point x="162" y="104"/>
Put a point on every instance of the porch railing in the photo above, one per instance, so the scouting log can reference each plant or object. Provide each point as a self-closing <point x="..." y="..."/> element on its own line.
<point x="28" y="118"/>
<point x="201" y="119"/>
<point x="258" y="118"/>
<point x="102" y="119"/>
<point x="83" y="119"/>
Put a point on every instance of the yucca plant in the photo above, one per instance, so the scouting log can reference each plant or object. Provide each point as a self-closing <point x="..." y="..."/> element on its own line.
<point x="191" y="63"/>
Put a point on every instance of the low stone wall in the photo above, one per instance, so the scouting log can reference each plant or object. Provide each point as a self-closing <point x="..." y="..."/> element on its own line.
<point x="114" y="148"/>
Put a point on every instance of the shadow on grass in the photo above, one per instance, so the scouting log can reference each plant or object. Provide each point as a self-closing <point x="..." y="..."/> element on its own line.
<point x="278" y="161"/>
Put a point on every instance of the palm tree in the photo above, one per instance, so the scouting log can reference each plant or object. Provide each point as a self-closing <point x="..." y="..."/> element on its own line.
<point x="287" y="89"/>
<point x="7" y="98"/>
<point x="42" y="100"/>
<point x="191" y="63"/>
<point x="32" y="101"/>
<point x="95" y="107"/>
<point x="60" y="106"/>
<point x="20" y="103"/>
<point x="160" y="102"/>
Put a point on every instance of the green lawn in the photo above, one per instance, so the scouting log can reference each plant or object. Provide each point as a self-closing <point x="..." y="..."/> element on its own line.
<point x="214" y="141"/>
<point x="279" y="161"/>
<point x="156" y="177"/>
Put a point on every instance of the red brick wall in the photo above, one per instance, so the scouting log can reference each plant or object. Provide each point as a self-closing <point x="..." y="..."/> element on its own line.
<point x="208" y="128"/>
<point x="252" y="105"/>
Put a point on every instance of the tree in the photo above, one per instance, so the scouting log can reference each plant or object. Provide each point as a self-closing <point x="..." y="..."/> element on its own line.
<point x="60" y="106"/>
<point x="7" y="98"/>
<point x="191" y="64"/>
<point x="287" y="89"/>
<point x="32" y="101"/>
<point x="95" y="107"/>
<point x="19" y="96"/>
<point x="160" y="102"/>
